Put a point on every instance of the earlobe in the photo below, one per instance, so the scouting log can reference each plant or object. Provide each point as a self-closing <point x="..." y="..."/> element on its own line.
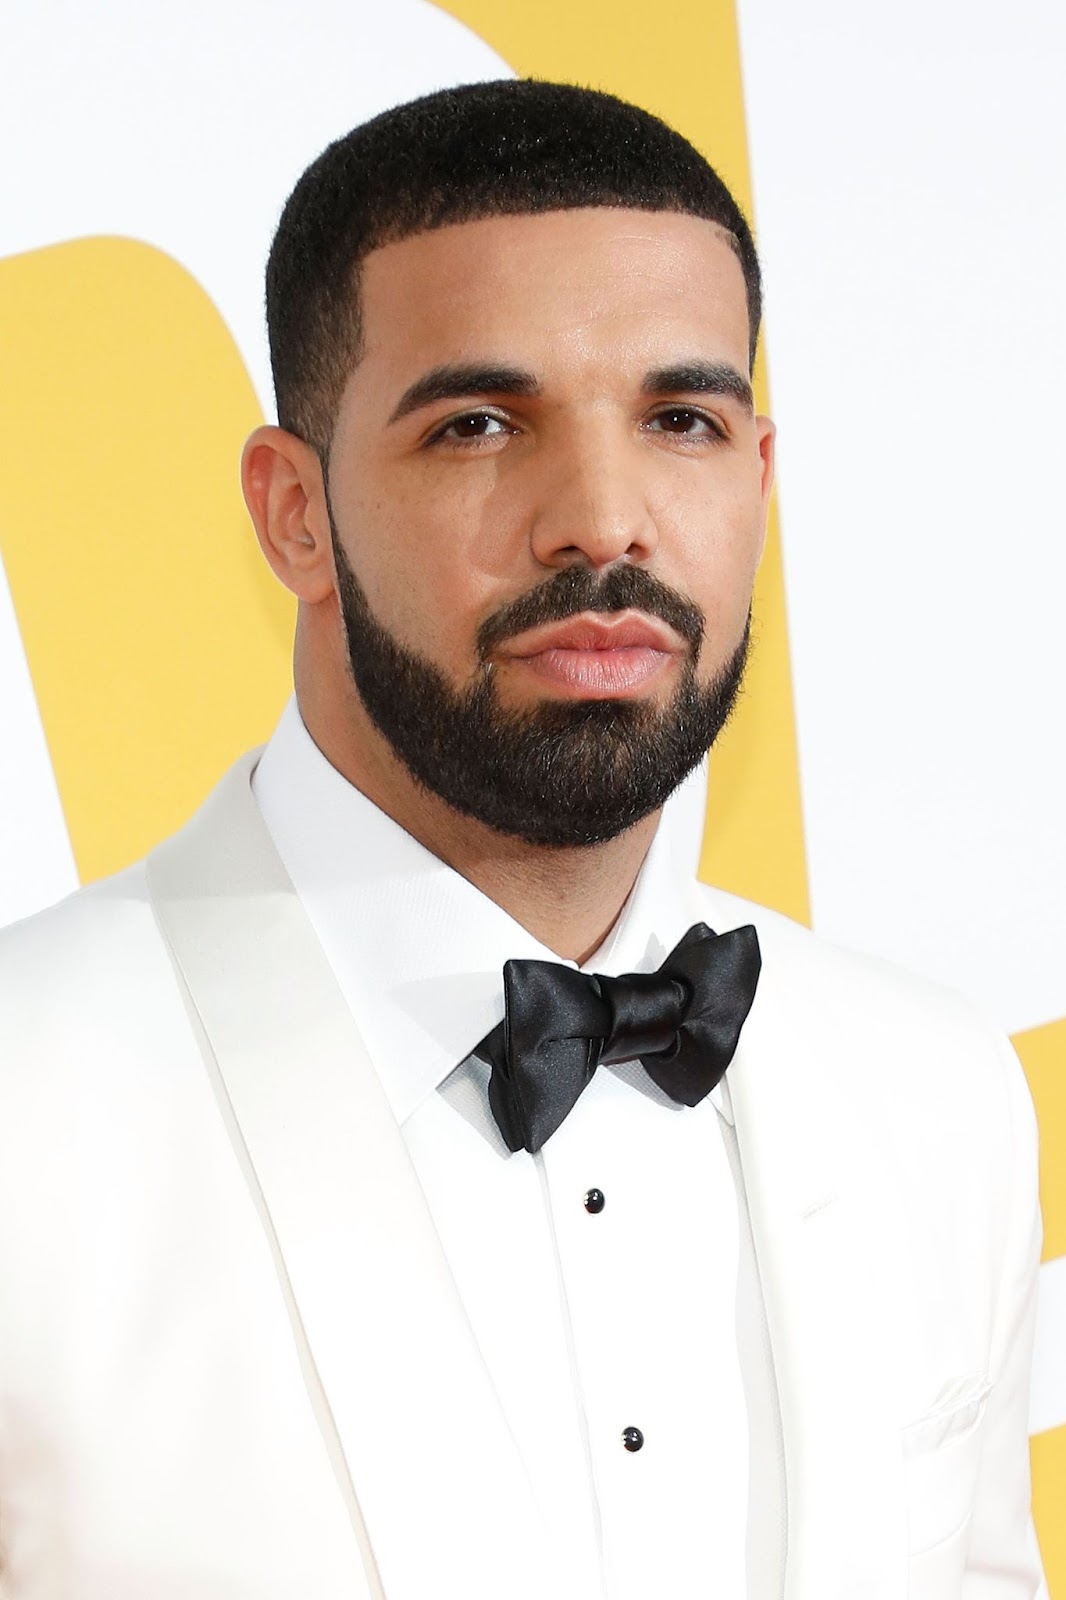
<point x="283" y="489"/>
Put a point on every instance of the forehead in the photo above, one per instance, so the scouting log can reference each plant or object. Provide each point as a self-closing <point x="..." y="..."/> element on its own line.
<point x="587" y="286"/>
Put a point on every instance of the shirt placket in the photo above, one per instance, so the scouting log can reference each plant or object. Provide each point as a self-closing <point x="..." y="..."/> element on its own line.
<point x="644" y="1214"/>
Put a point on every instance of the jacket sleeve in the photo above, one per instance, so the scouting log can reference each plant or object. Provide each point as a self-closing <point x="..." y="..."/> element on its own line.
<point x="1003" y="1561"/>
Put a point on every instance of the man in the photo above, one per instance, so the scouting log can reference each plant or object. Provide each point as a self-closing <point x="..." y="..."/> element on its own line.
<point x="320" y="1282"/>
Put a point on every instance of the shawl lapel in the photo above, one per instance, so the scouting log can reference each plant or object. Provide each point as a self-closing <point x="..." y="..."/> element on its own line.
<point x="423" y="1455"/>
<point x="832" y="1282"/>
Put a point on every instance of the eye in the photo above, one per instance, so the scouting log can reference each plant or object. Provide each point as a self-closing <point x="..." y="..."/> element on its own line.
<point x="471" y="428"/>
<point x="682" y="422"/>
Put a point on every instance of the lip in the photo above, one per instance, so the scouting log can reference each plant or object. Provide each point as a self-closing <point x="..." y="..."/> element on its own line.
<point x="596" y="656"/>
<point x="592" y="631"/>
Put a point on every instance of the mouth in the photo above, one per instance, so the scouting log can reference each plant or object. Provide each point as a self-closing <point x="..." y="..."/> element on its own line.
<point x="596" y="656"/>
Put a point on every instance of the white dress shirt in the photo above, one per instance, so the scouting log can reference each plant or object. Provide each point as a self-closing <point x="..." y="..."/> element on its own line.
<point x="590" y="1322"/>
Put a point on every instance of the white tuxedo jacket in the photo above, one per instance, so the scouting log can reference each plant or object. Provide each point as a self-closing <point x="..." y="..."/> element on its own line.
<point x="233" y="1364"/>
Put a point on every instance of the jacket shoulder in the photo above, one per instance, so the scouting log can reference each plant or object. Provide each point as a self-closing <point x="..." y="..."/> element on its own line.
<point x="914" y="1060"/>
<point x="95" y="964"/>
<point x="77" y="934"/>
<point x="809" y="972"/>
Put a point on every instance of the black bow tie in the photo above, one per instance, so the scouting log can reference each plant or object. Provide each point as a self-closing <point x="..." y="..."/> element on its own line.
<point x="682" y="1022"/>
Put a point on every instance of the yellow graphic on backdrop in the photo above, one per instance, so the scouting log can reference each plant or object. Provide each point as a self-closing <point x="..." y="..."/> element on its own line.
<point x="1043" y="1055"/>
<point x="157" y="639"/>
<point x="1048" y="1453"/>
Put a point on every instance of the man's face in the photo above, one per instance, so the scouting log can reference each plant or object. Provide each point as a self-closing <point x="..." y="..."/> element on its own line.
<point x="548" y="491"/>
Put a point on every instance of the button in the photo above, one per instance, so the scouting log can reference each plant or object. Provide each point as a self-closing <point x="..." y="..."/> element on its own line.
<point x="595" y="1201"/>
<point x="632" y="1438"/>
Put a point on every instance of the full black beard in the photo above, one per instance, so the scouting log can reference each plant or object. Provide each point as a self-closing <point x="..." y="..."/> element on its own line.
<point x="561" y="774"/>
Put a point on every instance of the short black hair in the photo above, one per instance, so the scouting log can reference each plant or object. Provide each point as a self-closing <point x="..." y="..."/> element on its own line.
<point x="514" y="147"/>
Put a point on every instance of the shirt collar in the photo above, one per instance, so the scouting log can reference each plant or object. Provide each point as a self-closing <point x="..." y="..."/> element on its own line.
<point x="416" y="949"/>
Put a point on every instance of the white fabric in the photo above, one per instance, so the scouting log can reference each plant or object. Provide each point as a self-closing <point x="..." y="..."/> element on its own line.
<point x="588" y="1323"/>
<point x="233" y="1361"/>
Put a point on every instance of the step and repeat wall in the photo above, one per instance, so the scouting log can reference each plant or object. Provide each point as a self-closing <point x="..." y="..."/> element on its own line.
<point x="897" y="775"/>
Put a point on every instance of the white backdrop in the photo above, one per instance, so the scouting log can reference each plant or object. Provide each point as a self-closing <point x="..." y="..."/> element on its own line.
<point x="907" y="167"/>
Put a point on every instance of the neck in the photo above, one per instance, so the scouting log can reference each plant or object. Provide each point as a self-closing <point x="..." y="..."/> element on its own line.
<point x="568" y="899"/>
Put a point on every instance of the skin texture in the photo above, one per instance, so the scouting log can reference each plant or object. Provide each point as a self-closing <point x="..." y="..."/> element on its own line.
<point x="464" y="503"/>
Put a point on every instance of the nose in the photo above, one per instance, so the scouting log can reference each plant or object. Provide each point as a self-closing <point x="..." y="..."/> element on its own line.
<point x="592" y="509"/>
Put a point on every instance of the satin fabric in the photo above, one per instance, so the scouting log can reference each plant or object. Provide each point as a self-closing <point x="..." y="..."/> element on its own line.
<point x="682" y="1023"/>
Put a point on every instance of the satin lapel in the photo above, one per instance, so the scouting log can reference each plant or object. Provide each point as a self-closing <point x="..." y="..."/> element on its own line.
<point x="423" y="1453"/>
<point x="832" y="1285"/>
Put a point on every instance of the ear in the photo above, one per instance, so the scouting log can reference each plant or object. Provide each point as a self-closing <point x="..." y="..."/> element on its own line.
<point x="283" y="489"/>
<point x="766" y="436"/>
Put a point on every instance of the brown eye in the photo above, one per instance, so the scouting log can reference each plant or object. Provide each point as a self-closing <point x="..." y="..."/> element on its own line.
<point x="471" y="427"/>
<point x="474" y="426"/>
<point x="681" y="420"/>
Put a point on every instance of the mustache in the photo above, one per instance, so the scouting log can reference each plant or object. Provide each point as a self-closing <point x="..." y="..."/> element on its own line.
<point x="577" y="589"/>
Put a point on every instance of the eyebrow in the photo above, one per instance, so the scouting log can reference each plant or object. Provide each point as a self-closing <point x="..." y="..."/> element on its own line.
<point x="701" y="377"/>
<point x="457" y="382"/>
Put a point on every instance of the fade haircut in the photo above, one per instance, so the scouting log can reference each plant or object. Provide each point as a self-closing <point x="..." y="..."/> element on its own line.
<point x="515" y="147"/>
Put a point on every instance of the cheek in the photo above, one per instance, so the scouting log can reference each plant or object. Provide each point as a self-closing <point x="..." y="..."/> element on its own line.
<point x="717" y="543"/>
<point x="423" y="577"/>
